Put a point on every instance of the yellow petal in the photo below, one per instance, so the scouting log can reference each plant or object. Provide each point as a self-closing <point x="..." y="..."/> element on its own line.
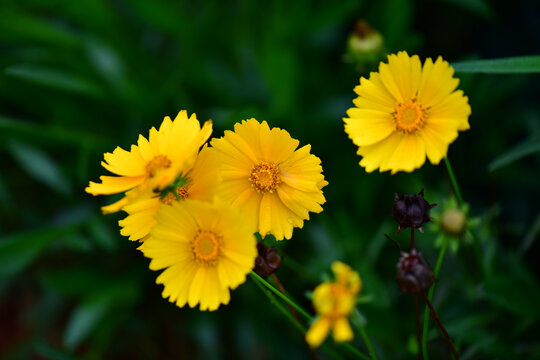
<point x="318" y="331"/>
<point x="196" y="287"/>
<point x="113" y="184"/>
<point x="408" y="155"/>
<point x="367" y="127"/>
<point x="389" y="82"/>
<point x="436" y="82"/>
<point x="374" y="155"/>
<point x="125" y="163"/>
<point x="342" y="330"/>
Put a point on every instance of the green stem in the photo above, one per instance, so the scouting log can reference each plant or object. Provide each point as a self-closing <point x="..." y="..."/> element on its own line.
<point x="261" y="282"/>
<point x="367" y="341"/>
<point x="355" y="351"/>
<point x="280" y="295"/>
<point x="293" y="320"/>
<point x="453" y="180"/>
<point x="430" y="296"/>
<point x="281" y="308"/>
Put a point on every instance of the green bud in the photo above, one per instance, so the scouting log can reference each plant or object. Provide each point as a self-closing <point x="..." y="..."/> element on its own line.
<point x="453" y="221"/>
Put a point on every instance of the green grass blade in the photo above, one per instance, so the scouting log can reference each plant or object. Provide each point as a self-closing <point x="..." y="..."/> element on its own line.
<point x="511" y="65"/>
<point x="518" y="152"/>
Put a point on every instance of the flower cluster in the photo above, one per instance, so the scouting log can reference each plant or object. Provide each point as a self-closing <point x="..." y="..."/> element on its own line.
<point x="195" y="208"/>
<point x="334" y="302"/>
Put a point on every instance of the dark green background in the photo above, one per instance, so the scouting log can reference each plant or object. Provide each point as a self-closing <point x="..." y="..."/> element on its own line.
<point x="78" y="78"/>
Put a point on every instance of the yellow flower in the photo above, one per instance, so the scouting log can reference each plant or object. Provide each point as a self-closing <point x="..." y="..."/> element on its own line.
<point x="153" y="163"/>
<point x="205" y="249"/>
<point x="200" y="183"/>
<point x="334" y="302"/>
<point x="272" y="182"/>
<point x="405" y="112"/>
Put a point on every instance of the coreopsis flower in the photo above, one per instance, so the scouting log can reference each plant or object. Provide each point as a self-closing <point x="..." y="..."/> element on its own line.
<point x="334" y="302"/>
<point x="204" y="248"/>
<point x="406" y="112"/>
<point x="199" y="183"/>
<point x="273" y="183"/>
<point x="153" y="163"/>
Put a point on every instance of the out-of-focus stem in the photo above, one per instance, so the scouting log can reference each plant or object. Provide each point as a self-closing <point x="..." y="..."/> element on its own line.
<point x="430" y="296"/>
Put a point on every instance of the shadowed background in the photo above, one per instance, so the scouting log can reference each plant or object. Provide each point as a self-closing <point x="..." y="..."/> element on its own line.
<point x="78" y="78"/>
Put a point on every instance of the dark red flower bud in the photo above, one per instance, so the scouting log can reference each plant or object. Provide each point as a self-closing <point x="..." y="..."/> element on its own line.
<point x="411" y="210"/>
<point x="413" y="273"/>
<point x="268" y="260"/>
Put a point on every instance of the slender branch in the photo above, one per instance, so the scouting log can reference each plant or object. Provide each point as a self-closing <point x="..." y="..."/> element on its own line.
<point x="430" y="296"/>
<point x="418" y="329"/>
<point x="441" y="326"/>
<point x="453" y="181"/>
<point x="395" y="242"/>
<point x="412" y="238"/>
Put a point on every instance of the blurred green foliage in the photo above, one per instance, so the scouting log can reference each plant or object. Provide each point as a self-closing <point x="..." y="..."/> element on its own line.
<point x="78" y="78"/>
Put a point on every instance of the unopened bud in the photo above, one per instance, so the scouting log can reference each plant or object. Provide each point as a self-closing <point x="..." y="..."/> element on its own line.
<point x="364" y="45"/>
<point x="267" y="261"/>
<point x="411" y="210"/>
<point x="413" y="274"/>
<point x="453" y="222"/>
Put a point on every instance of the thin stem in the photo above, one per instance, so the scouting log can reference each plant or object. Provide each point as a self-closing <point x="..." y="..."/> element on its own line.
<point x="364" y="335"/>
<point x="395" y="242"/>
<point x="412" y="238"/>
<point x="294" y="321"/>
<point x="453" y="180"/>
<point x="281" y="308"/>
<point x="280" y="295"/>
<point x="430" y="296"/>
<point x="418" y="329"/>
<point x="441" y="326"/>
<point x="266" y="284"/>
<point x="282" y="290"/>
<point x="355" y="351"/>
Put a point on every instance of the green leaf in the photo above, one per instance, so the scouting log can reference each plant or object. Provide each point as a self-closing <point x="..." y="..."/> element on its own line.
<point x="84" y="319"/>
<point x="51" y="134"/>
<point x="40" y="166"/>
<point x="77" y="281"/>
<point x="87" y="316"/>
<point x="107" y="62"/>
<point x="17" y="251"/>
<point x="512" y="65"/>
<point x="507" y="289"/>
<point x="527" y="147"/>
<point x="102" y="234"/>
<point x="480" y="7"/>
<point x="16" y="27"/>
<point x="56" y="79"/>
<point x="47" y="351"/>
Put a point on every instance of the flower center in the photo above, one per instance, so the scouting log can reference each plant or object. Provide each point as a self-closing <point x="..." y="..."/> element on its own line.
<point x="181" y="191"/>
<point x="205" y="246"/>
<point x="409" y="116"/>
<point x="341" y="302"/>
<point x="265" y="177"/>
<point x="157" y="163"/>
